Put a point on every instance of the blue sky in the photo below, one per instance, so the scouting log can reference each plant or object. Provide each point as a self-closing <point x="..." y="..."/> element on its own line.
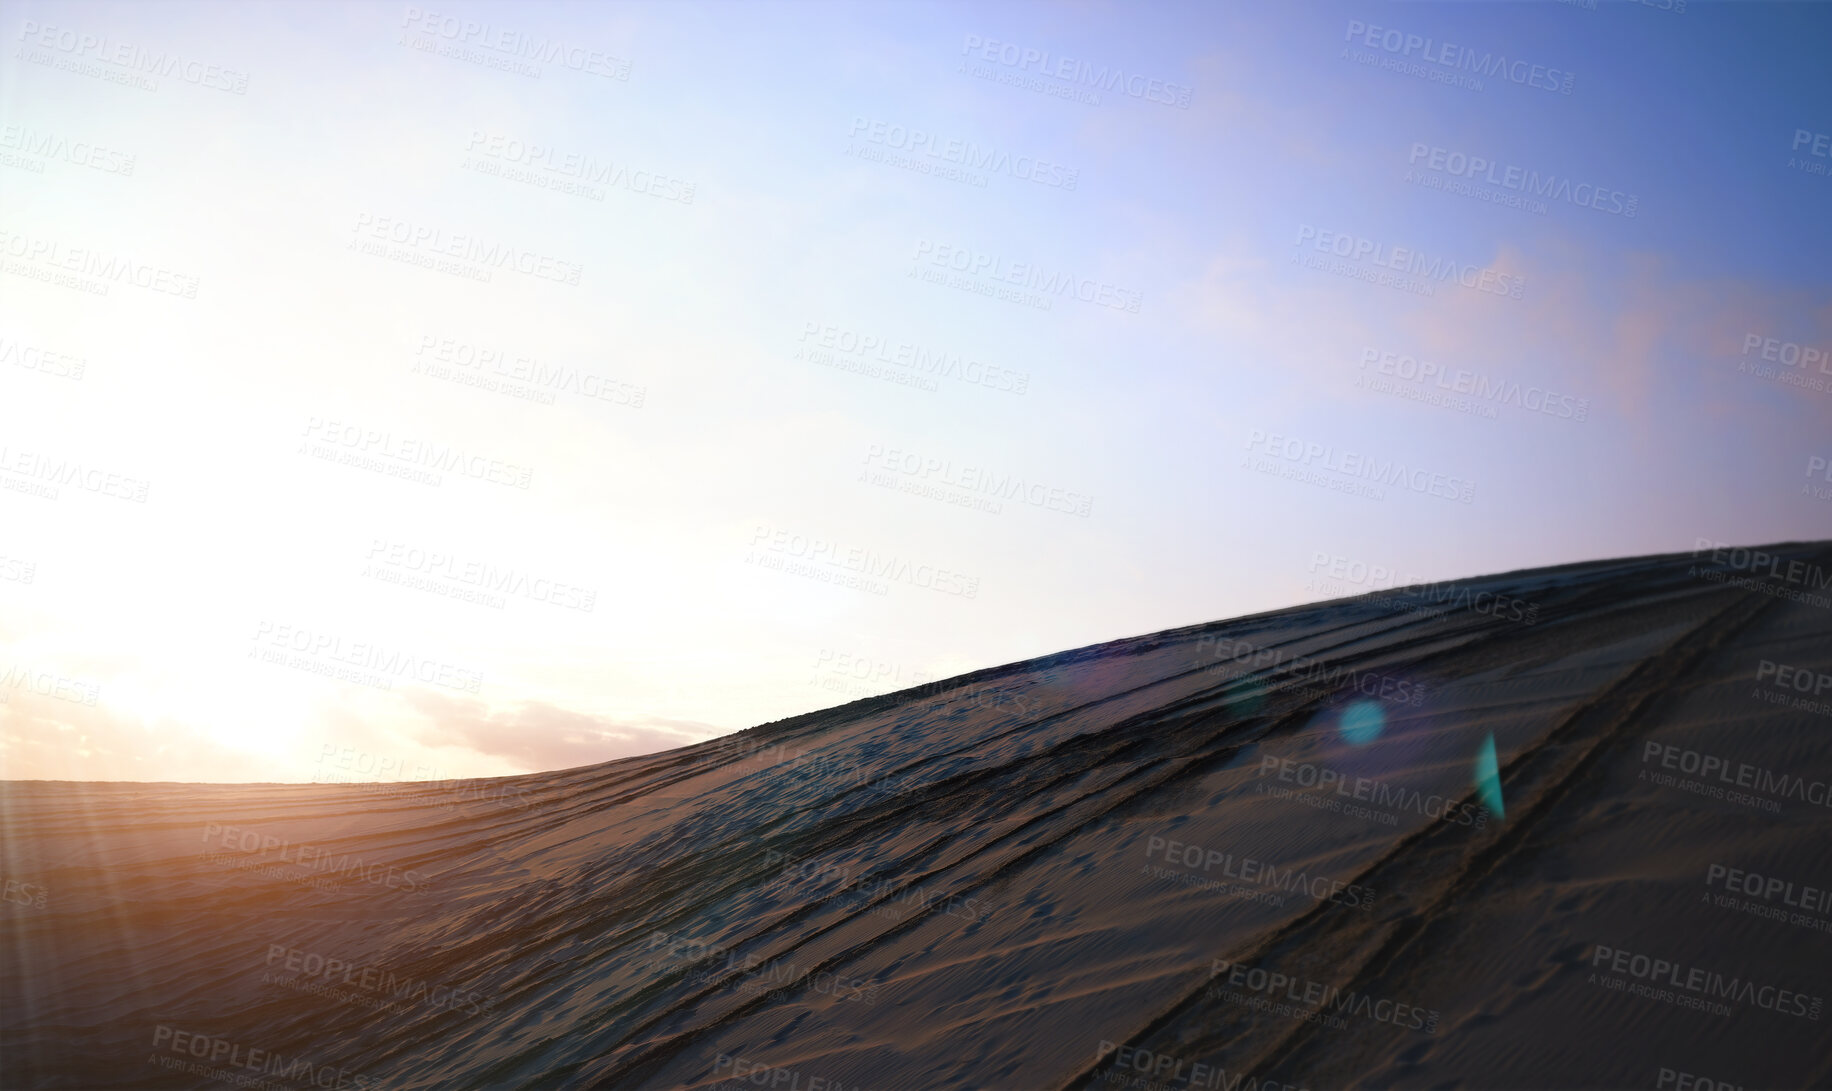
<point x="744" y="220"/>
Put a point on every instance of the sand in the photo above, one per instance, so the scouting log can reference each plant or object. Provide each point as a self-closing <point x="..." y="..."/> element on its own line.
<point x="1563" y="828"/>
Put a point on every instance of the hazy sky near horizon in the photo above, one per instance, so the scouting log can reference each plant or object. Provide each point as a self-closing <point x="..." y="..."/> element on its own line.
<point x="464" y="389"/>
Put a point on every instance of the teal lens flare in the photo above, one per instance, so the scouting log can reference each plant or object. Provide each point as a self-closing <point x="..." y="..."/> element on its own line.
<point x="1488" y="778"/>
<point x="1362" y="722"/>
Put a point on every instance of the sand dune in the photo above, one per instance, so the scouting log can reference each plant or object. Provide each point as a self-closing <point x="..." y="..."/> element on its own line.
<point x="1267" y="852"/>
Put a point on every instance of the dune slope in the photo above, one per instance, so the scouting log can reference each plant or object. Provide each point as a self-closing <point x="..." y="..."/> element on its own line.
<point x="1562" y="828"/>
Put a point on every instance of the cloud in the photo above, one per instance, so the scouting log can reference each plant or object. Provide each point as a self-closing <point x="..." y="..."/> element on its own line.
<point x="536" y="736"/>
<point x="47" y="738"/>
<point x="1618" y="329"/>
<point x="398" y="736"/>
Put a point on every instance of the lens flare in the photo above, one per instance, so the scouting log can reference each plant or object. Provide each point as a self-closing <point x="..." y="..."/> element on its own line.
<point x="1362" y="722"/>
<point x="1248" y="701"/>
<point x="1488" y="778"/>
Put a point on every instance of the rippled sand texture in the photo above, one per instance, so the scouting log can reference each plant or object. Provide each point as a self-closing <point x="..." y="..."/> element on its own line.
<point x="1171" y="859"/>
